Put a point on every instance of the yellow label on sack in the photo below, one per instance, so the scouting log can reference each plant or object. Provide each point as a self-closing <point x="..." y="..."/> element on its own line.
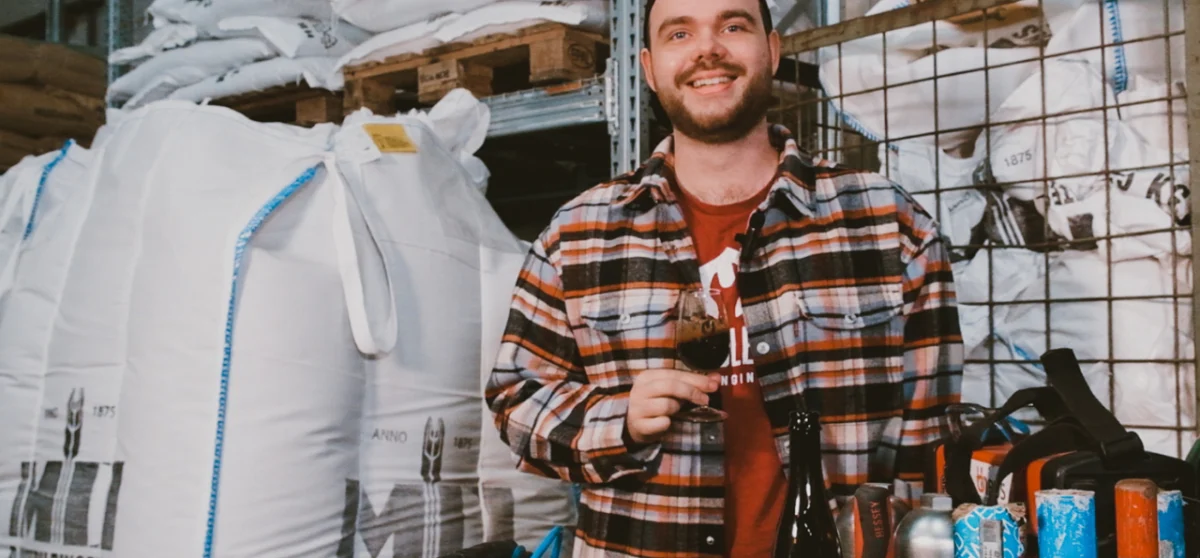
<point x="390" y="138"/>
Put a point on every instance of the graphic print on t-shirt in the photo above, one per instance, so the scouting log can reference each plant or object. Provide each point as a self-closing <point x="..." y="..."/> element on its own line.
<point x="721" y="273"/>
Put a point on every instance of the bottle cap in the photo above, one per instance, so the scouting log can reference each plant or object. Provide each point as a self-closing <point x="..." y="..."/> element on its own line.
<point x="937" y="502"/>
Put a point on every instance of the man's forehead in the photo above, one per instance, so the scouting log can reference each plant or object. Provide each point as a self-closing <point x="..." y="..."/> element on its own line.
<point x="701" y="9"/>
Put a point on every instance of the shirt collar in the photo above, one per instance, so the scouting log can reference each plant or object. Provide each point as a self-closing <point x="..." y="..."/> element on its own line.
<point x="794" y="180"/>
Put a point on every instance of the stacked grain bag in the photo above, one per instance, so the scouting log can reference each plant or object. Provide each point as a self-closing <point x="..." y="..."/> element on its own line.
<point x="412" y="27"/>
<point x="1023" y="181"/>
<point x="49" y="93"/>
<point x="219" y="49"/>
<point x="267" y="350"/>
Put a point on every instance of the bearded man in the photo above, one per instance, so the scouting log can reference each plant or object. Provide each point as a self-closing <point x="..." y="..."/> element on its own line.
<point x="837" y="294"/>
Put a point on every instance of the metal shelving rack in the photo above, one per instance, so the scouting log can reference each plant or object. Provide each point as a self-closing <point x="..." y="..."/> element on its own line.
<point x="619" y="97"/>
<point x="536" y="110"/>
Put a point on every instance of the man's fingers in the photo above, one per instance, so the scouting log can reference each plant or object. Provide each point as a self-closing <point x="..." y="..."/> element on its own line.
<point x="653" y="426"/>
<point x="662" y="407"/>
<point x="678" y="390"/>
<point x="702" y="382"/>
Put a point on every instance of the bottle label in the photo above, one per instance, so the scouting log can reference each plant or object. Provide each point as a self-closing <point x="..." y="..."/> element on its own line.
<point x="991" y="535"/>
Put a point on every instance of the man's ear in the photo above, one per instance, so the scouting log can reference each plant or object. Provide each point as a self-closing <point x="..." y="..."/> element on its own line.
<point x="648" y="69"/>
<point x="773" y="44"/>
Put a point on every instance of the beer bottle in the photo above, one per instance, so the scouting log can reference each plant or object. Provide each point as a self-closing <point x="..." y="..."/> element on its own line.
<point x="807" y="528"/>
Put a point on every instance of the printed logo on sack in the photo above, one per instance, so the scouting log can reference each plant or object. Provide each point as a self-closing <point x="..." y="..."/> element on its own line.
<point x="375" y="523"/>
<point x="68" y="502"/>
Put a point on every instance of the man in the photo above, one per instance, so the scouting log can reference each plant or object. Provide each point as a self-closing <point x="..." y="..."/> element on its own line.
<point x="837" y="282"/>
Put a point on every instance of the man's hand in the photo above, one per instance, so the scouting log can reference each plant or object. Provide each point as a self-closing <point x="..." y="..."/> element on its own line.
<point x="658" y="394"/>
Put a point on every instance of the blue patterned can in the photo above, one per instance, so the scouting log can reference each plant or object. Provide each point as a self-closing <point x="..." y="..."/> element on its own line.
<point x="1066" y="523"/>
<point x="1170" y="524"/>
<point x="989" y="531"/>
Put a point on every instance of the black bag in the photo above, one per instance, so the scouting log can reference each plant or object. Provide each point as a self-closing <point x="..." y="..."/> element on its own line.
<point x="1082" y="447"/>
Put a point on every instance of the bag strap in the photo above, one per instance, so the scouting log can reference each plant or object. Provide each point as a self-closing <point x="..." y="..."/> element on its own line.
<point x="1065" y="377"/>
<point x="1046" y="400"/>
<point x="960" y="452"/>
<point x="368" y="341"/>
<point x="1064" y="435"/>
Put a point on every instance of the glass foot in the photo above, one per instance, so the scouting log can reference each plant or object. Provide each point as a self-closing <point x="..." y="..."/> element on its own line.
<point x="702" y="414"/>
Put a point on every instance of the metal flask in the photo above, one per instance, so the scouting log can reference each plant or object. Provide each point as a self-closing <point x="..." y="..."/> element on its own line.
<point x="926" y="532"/>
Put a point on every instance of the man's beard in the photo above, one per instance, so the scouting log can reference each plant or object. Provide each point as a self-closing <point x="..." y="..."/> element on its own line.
<point x="723" y="128"/>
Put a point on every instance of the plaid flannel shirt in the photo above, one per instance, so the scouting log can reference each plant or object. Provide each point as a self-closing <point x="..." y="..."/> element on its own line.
<point x="849" y="303"/>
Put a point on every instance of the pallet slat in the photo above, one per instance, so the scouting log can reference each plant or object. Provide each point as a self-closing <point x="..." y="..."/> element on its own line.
<point x="554" y="52"/>
<point x="298" y="104"/>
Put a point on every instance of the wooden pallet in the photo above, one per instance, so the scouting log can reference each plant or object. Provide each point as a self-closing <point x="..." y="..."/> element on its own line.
<point x="296" y="104"/>
<point x="499" y="63"/>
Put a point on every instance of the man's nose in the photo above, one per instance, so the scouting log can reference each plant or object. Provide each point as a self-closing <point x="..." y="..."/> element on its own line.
<point x="710" y="47"/>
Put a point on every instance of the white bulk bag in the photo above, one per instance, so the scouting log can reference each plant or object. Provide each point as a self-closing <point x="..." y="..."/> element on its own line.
<point x="296" y="37"/>
<point x="1084" y="142"/>
<point x="20" y="190"/>
<point x="57" y="473"/>
<point x="450" y="263"/>
<point x="1144" y="329"/>
<point x="207" y="15"/>
<point x="940" y="182"/>
<point x="204" y="312"/>
<point x="1162" y="123"/>
<point x="1124" y="21"/>
<point x="1011" y="25"/>
<point x="910" y="110"/>
<point x="317" y="73"/>
<point x="162" y="74"/>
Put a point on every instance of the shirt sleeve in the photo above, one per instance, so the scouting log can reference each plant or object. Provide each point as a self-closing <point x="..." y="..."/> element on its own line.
<point x="933" y="356"/>
<point x="555" y="421"/>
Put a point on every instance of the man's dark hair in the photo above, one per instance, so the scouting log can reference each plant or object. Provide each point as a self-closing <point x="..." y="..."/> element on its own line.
<point x="763" y="10"/>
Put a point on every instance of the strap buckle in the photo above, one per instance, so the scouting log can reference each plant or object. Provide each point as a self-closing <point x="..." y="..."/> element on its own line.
<point x="1126" y="446"/>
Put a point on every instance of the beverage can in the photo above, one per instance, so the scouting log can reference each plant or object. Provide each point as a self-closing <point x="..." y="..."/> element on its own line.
<point x="989" y="531"/>
<point x="1170" y="524"/>
<point x="1066" y="523"/>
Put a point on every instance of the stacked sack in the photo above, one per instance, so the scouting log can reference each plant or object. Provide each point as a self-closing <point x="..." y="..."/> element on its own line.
<point x="49" y="93"/>
<point x="274" y="349"/>
<point x="223" y="48"/>
<point x="413" y="27"/>
<point x="992" y="188"/>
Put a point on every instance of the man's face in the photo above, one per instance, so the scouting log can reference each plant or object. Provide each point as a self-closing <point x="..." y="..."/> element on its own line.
<point x="711" y="65"/>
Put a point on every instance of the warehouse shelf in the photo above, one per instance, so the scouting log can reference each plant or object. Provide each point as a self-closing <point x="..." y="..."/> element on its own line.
<point x="547" y="108"/>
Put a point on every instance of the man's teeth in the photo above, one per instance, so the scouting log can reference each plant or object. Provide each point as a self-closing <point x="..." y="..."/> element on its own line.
<point x="711" y="81"/>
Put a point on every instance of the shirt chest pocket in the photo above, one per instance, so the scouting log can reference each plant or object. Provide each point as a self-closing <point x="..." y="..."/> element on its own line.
<point x="855" y="333"/>
<point x="627" y="331"/>
<point x="857" y="308"/>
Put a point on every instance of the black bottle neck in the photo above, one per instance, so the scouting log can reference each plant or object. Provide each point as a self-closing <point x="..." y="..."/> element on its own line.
<point x="806" y="464"/>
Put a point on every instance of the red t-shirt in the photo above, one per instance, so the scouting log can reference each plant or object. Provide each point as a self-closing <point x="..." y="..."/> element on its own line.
<point x="755" y="484"/>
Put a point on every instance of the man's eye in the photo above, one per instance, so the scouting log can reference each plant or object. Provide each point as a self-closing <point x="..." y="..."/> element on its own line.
<point x="736" y="27"/>
<point x="678" y="35"/>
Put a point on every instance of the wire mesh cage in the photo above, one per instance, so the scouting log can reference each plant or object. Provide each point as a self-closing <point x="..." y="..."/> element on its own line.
<point x="1050" y="140"/>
